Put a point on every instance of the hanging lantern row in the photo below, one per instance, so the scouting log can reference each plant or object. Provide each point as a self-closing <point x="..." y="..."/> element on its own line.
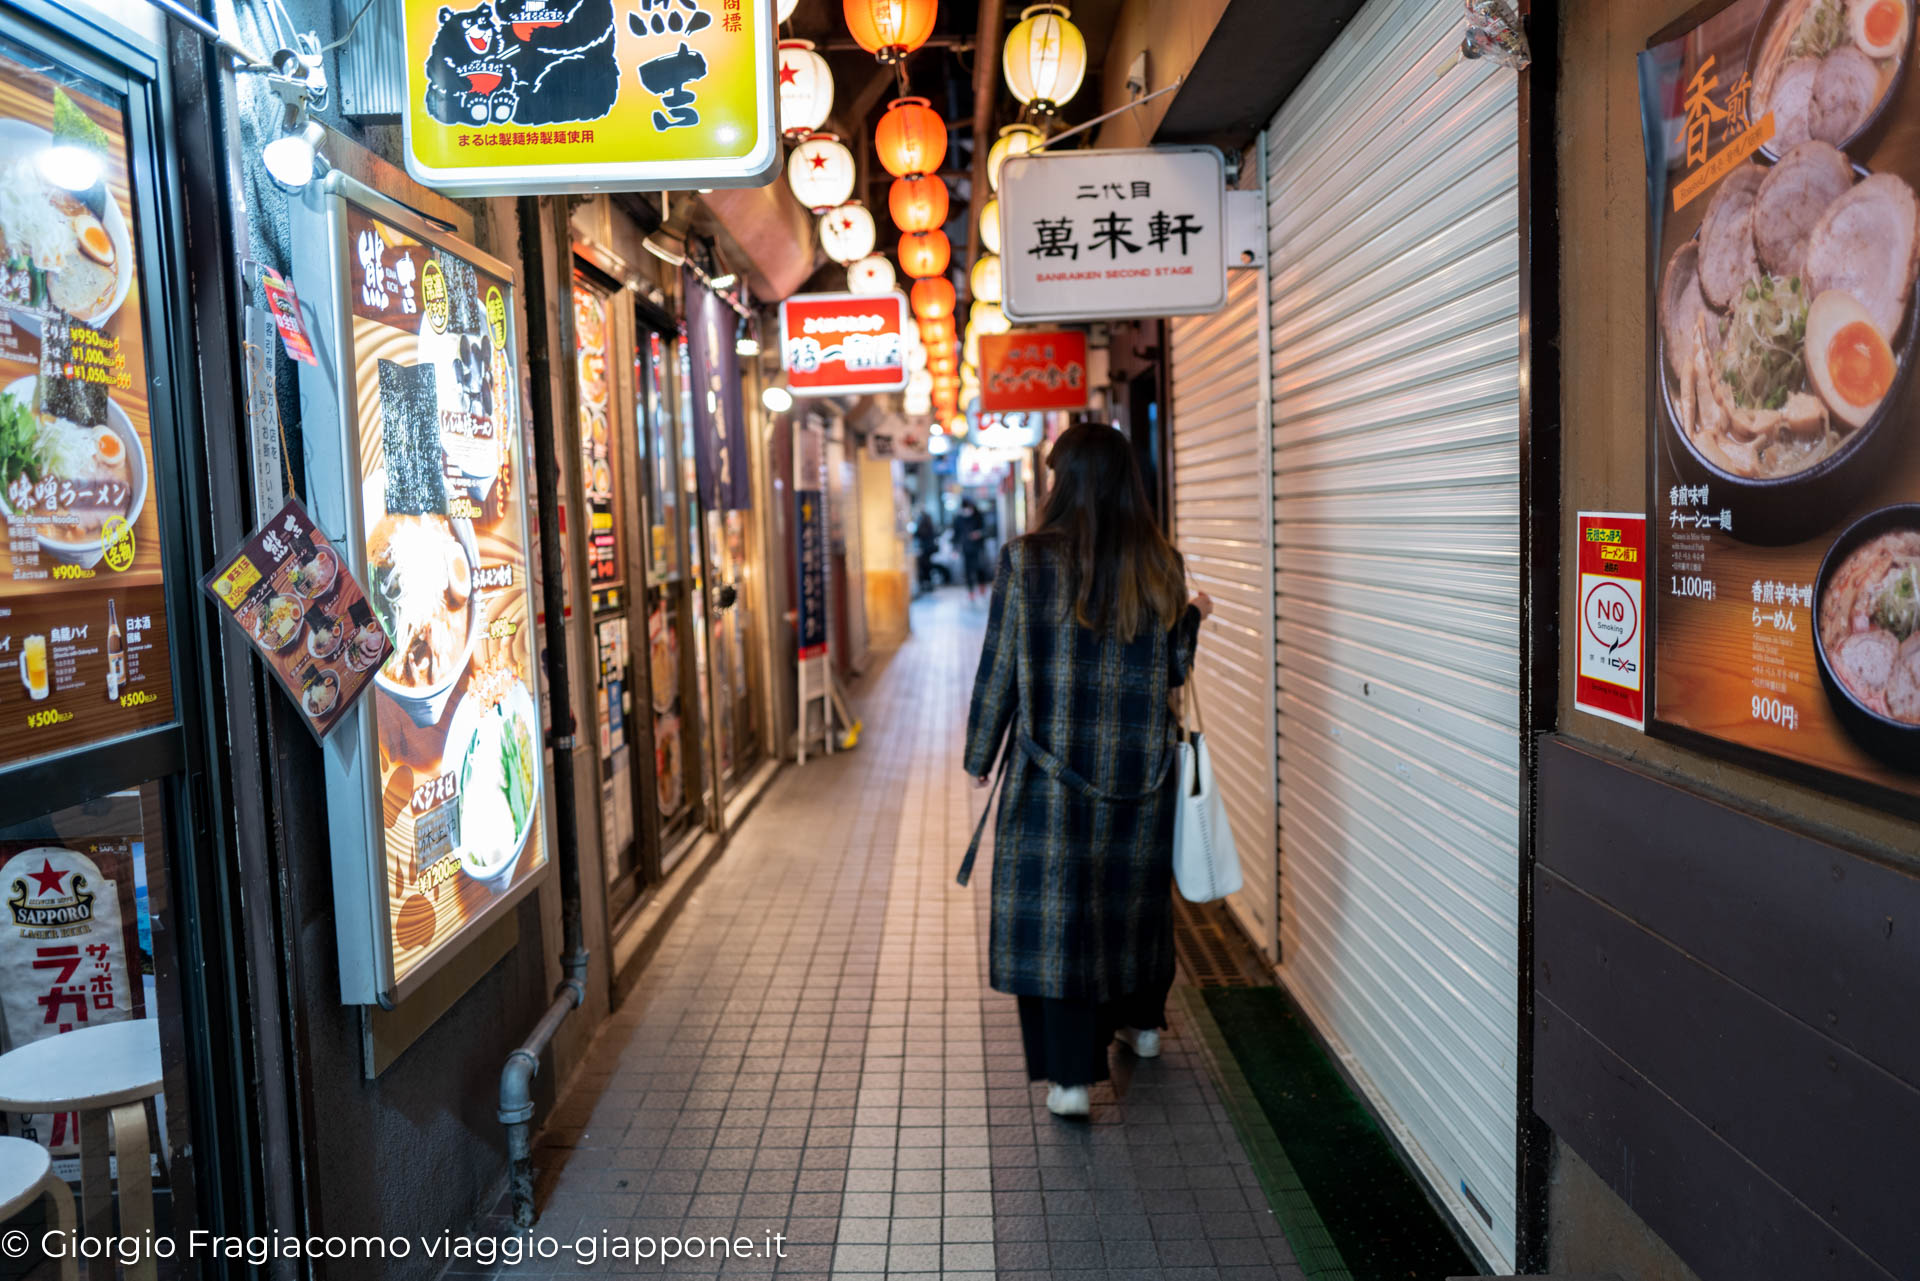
<point x="1044" y="58"/>
<point x="911" y="138"/>
<point x="984" y="280"/>
<point x="872" y="274"/>
<point x="847" y="233"/>
<point x="821" y="172"/>
<point x="890" y="29"/>
<point x="932" y="299"/>
<point x="806" y="89"/>
<point x="925" y="253"/>
<point x="918" y="204"/>
<point x="990" y="226"/>
<point x="1014" y="140"/>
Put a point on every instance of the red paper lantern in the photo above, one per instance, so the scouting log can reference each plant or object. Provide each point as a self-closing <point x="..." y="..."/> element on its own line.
<point x="890" y="29"/>
<point x="937" y="335"/>
<point x="925" y="253"/>
<point x="943" y="362"/>
<point x="918" y="204"/>
<point x="932" y="298"/>
<point x="911" y="138"/>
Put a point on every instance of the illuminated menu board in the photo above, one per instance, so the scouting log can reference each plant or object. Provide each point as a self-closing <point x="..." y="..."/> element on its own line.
<point x="599" y="462"/>
<point x="83" y="625"/>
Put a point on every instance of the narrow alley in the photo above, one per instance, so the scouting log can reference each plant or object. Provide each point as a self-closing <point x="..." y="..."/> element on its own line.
<point x="814" y="1051"/>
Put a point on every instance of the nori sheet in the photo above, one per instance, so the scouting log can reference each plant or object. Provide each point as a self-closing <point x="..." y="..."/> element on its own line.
<point x="410" y="430"/>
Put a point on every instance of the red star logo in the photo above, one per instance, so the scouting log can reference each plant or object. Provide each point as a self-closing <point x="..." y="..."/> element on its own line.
<point x="818" y="162"/>
<point x="846" y="224"/>
<point x="788" y="73"/>
<point x="48" y="878"/>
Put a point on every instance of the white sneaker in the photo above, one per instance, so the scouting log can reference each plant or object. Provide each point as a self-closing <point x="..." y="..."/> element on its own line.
<point x="1068" y="1100"/>
<point x="1145" y="1043"/>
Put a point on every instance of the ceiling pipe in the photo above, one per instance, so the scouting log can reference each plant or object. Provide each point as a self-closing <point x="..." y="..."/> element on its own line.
<point x="986" y="84"/>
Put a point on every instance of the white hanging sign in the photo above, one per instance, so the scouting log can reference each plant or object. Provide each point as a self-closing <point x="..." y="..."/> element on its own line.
<point x="1089" y="235"/>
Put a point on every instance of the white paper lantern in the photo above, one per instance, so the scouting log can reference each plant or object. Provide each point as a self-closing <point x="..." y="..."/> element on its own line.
<point x="1045" y="57"/>
<point x="990" y="223"/>
<point x="847" y="233"/>
<point x="985" y="278"/>
<point x="785" y="10"/>
<point x="987" y="318"/>
<point x="872" y="274"/>
<point x="806" y="88"/>
<point x="821" y="172"/>
<point x="920" y="382"/>
<point x="1014" y="140"/>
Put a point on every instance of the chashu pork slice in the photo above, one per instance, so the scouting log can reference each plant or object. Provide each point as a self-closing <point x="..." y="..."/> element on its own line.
<point x="1791" y="199"/>
<point x="1844" y="93"/>
<point x="1791" y="101"/>
<point x="1865" y="245"/>
<point x="1681" y="307"/>
<point x="1727" y="256"/>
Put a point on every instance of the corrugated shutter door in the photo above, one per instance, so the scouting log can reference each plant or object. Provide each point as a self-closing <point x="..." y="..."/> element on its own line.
<point x="1221" y="521"/>
<point x="1393" y="221"/>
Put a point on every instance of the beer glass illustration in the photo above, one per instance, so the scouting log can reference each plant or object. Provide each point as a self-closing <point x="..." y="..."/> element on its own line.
<point x="33" y="667"/>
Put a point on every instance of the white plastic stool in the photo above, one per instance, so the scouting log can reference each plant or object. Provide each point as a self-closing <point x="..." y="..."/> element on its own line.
<point x="26" y="1174"/>
<point x="106" y="1072"/>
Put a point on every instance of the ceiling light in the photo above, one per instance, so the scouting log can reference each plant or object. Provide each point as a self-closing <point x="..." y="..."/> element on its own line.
<point x="777" y="399"/>
<point x="725" y="280"/>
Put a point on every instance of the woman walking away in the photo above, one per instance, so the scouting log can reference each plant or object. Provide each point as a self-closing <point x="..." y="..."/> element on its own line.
<point x="1089" y="629"/>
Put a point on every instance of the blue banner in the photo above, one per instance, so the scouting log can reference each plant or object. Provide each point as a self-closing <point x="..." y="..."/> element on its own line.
<point x="719" y="412"/>
<point x="811" y="528"/>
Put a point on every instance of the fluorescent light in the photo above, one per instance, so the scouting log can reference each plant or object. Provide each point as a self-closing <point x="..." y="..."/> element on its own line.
<point x="776" y="398"/>
<point x="724" y="282"/>
<point x="746" y="346"/>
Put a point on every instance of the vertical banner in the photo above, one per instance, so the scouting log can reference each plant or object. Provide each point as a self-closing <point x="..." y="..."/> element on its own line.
<point x="719" y="412"/>
<point x="810" y="542"/>
<point x="1611" y="681"/>
<point x="1783" y="223"/>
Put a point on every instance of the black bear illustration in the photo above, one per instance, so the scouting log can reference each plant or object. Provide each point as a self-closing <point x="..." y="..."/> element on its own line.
<point x="564" y="57"/>
<point x="469" y="80"/>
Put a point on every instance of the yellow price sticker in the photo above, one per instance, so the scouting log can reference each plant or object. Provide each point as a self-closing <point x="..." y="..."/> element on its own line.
<point x="116" y="537"/>
<point x="497" y="316"/>
<point x="232" y="586"/>
<point x="433" y="292"/>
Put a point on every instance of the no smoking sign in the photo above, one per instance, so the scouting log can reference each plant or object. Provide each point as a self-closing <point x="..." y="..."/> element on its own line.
<point x="1613" y="571"/>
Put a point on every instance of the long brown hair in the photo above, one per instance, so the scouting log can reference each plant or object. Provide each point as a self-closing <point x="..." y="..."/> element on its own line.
<point x="1123" y="570"/>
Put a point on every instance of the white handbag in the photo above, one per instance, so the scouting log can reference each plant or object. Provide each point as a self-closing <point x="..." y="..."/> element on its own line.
<point x="1206" y="866"/>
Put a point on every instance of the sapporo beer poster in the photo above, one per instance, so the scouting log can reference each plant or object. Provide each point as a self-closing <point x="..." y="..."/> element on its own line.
<point x="580" y="95"/>
<point x="1783" y="144"/>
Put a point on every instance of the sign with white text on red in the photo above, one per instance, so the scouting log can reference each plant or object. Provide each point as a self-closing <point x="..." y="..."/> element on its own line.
<point x="1612" y="677"/>
<point x="1088" y="235"/>
<point x="1035" y="369"/>
<point x="842" y="344"/>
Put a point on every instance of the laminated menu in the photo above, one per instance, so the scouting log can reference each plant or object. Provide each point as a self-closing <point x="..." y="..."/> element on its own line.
<point x="294" y="597"/>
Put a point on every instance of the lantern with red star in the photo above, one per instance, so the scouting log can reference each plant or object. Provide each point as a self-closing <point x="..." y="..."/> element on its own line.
<point x="806" y="89"/>
<point x="846" y="233"/>
<point x="821" y="172"/>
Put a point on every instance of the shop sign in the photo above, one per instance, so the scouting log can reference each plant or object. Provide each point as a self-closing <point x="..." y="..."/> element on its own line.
<point x="83" y="607"/>
<point x="1088" y="235"/>
<point x="417" y="450"/>
<point x="1033" y="369"/>
<point x="844" y="344"/>
<point x="533" y="96"/>
<point x="1611" y="681"/>
<point x="719" y="408"/>
<point x="811" y="509"/>
<point x="1784" y="565"/>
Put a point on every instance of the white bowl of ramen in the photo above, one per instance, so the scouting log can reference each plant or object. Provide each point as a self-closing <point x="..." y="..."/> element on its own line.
<point x="77" y="541"/>
<point x="420" y="583"/>
<point x="30" y="211"/>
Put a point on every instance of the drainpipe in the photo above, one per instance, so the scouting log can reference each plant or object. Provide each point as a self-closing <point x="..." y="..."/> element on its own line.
<point x="516" y="1077"/>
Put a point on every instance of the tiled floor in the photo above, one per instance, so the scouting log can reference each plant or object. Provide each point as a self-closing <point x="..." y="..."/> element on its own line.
<point x="814" y="1051"/>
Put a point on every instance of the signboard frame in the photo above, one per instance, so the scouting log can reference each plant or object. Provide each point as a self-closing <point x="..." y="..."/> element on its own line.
<point x="1122" y="308"/>
<point x="362" y="904"/>
<point x="754" y="168"/>
<point x="804" y="389"/>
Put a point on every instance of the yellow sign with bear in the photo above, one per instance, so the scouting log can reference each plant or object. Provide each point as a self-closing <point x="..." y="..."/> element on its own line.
<point x="508" y="97"/>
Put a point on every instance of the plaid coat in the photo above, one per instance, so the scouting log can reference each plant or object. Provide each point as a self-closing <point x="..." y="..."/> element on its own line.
<point x="1083" y="843"/>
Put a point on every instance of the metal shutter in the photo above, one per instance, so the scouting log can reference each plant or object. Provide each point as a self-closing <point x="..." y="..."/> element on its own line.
<point x="1222" y="500"/>
<point x="1393" y="221"/>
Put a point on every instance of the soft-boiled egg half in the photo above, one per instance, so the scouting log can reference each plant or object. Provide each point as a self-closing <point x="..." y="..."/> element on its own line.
<point x="1878" y="27"/>
<point x="1847" y="357"/>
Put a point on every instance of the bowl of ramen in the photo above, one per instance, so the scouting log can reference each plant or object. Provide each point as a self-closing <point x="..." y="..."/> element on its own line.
<point x="420" y="583"/>
<point x="1826" y="69"/>
<point x="1786" y="336"/>
<point x="366" y="647"/>
<point x="324" y="638"/>
<point x="278" y="622"/>
<point x="1867" y="638"/>
<point x="322" y="694"/>
<point x="65" y="480"/>
<point x="316" y="575"/>
<point x="498" y="755"/>
<point x="61" y="248"/>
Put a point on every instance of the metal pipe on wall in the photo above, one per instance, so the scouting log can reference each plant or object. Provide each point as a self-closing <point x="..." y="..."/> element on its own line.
<point x="516" y="1076"/>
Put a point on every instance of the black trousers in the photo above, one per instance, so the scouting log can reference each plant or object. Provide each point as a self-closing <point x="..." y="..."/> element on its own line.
<point x="1066" y="1040"/>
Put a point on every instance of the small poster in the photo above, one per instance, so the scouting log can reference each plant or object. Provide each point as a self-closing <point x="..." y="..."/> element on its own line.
<point x="286" y="316"/>
<point x="1611" y="680"/>
<point x="294" y="597"/>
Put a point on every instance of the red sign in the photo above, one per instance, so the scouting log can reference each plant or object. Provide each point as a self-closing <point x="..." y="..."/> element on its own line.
<point x="1035" y="369"/>
<point x="841" y="344"/>
<point x="1612" y="679"/>
<point x="286" y="315"/>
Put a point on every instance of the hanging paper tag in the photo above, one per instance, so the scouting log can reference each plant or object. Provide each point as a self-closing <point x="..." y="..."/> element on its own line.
<point x="285" y="305"/>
